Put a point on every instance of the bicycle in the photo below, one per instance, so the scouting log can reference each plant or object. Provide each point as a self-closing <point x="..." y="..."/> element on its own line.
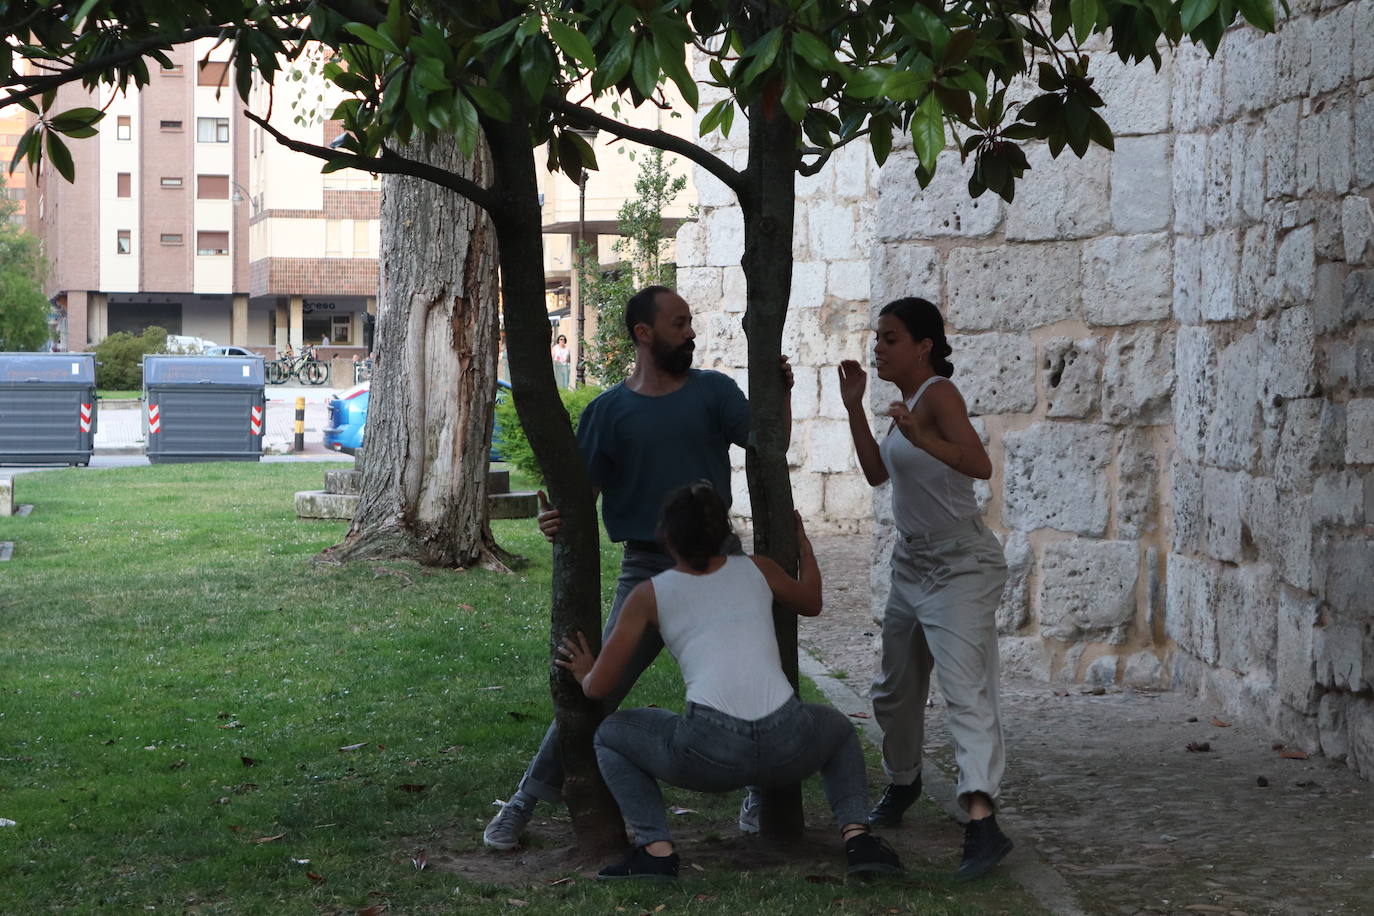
<point x="303" y="366"/>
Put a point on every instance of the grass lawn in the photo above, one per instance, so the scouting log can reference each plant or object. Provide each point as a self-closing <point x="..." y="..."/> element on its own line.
<point x="180" y="687"/>
<point x="110" y="394"/>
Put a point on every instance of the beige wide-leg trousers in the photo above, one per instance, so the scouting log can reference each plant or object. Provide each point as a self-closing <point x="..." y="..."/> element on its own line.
<point x="941" y="615"/>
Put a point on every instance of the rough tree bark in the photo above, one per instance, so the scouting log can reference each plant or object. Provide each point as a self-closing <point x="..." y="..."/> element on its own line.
<point x="429" y="425"/>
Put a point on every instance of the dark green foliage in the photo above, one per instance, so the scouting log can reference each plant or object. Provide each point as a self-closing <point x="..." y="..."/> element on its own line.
<point x="119" y="357"/>
<point x="513" y="445"/>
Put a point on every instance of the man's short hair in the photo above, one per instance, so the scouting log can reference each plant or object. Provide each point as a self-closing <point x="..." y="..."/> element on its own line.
<point x="642" y="308"/>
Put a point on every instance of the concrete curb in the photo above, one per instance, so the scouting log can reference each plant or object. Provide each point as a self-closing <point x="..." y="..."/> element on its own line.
<point x="1024" y="865"/>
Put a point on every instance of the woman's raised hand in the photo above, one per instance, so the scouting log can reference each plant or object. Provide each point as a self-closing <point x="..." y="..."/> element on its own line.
<point x="853" y="381"/>
<point x="917" y="434"/>
<point x="576" y="656"/>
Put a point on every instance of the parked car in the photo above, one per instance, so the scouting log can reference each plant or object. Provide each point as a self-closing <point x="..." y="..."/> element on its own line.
<point x="348" y="417"/>
<point x="229" y="351"/>
<point x="188" y="345"/>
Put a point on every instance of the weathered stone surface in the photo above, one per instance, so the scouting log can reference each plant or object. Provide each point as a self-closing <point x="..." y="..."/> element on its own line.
<point x="1360" y="729"/>
<point x="1296" y="266"/>
<point x="1359" y="431"/>
<point x="1101" y="672"/>
<point x="1137" y="97"/>
<point x="1247" y="170"/>
<point x="807" y="399"/>
<point x="519" y="504"/>
<point x="723" y="228"/>
<point x="319" y="504"/>
<point x="808" y="286"/>
<point x="1288" y="350"/>
<point x="1070" y="371"/>
<point x="1087" y="586"/>
<point x="1219" y="209"/>
<point x="1364" y="127"/>
<point x="906" y="211"/>
<point x="1190" y="184"/>
<point x="1359" y="295"/>
<point x="1188" y="511"/>
<point x="1220" y="268"/>
<point x="1141" y="182"/>
<point x="1143" y="670"/>
<point x="1023" y="656"/>
<point x="1338" y="499"/>
<point x="1221" y="495"/>
<point x="1064" y="198"/>
<point x="1137" y="471"/>
<point x="1295" y="463"/>
<point x="1331" y="725"/>
<point x="1189" y="618"/>
<point x="1296" y="632"/>
<point x="1195" y="389"/>
<point x="847" y="496"/>
<point x="1294" y="539"/>
<point x="734" y="292"/>
<point x="1235" y="415"/>
<point x="832" y="231"/>
<point x="1259" y="516"/>
<point x="1187" y="286"/>
<point x="1295" y="59"/>
<point x="1014" y="611"/>
<point x="1335" y="146"/>
<point x="1054" y="478"/>
<point x="995" y="372"/>
<point x="1281" y="158"/>
<point x="1012" y="287"/>
<point x="829" y="448"/>
<point x="1247" y="615"/>
<point x="1138" y="377"/>
<point x="1255" y="281"/>
<point x="1348" y="574"/>
<point x="1196" y="97"/>
<point x="1357" y="229"/>
<point x="1338" y="651"/>
<point x="905" y="269"/>
<point x="700" y="286"/>
<point x="690" y="248"/>
<point x="848" y="280"/>
<point x="1363" y="29"/>
<point x="1251" y="67"/>
<point x="1126" y="279"/>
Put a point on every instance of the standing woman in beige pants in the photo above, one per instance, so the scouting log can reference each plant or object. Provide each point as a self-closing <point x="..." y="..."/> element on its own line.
<point x="947" y="575"/>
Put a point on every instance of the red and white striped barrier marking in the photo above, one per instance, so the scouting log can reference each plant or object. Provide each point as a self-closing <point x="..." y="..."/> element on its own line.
<point x="255" y="421"/>
<point x="154" y="419"/>
<point x="85" y="418"/>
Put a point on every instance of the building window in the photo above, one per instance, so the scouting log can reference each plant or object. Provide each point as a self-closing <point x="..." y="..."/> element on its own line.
<point x="169" y="125"/>
<point x="212" y="73"/>
<point x="212" y="243"/>
<point x="212" y="187"/>
<point x="172" y="238"/>
<point x="171" y="182"/>
<point x="124" y="243"/>
<point x="342" y="330"/>
<point x="360" y="238"/>
<point x="212" y="130"/>
<point x="124" y="184"/>
<point x="124" y="129"/>
<point x="333" y="237"/>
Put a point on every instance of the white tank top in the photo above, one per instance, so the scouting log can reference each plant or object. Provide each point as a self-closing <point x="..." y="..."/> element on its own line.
<point x="719" y="627"/>
<point x="927" y="494"/>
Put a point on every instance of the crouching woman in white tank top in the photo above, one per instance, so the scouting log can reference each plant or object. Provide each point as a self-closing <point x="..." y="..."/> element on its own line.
<point x="743" y="724"/>
<point x="948" y="570"/>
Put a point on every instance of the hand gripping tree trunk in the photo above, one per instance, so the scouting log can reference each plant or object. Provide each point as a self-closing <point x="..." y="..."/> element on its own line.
<point x="424" y="487"/>
<point x="576" y="591"/>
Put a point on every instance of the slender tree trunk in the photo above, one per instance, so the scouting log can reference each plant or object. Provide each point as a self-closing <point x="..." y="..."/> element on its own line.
<point x="769" y="206"/>
<point x="576" y="593"/>
<point x="429" y="424"/>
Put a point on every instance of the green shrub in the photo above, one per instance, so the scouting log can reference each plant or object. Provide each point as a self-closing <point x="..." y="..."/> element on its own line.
<point x="511" y="443"/>
<point x="119" y="358"/>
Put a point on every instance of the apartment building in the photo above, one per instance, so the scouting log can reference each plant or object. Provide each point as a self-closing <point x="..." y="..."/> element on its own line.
<point x="186" y="215"/>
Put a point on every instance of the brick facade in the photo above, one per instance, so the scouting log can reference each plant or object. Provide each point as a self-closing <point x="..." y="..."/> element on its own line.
<point x="313" y="277"/>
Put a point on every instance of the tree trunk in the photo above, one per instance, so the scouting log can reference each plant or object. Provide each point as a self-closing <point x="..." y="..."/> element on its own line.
<point x="576" y="593"/>
<point x="429" y="424"/>
<point x="769" y="204"/>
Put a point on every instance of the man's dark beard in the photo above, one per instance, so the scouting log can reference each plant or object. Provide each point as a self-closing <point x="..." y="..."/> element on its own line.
<point x="674" y="360"/>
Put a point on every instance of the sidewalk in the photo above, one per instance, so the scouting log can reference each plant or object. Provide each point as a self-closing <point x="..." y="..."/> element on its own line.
<point x="1111" y="813"/>
<point x="119" y="424"/>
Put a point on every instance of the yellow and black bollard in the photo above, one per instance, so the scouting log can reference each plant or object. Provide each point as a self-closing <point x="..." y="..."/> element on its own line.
<point x="300" y="426"/>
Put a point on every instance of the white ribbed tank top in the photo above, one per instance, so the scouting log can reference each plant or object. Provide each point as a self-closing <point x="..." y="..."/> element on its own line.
<point x="927" y="494"/>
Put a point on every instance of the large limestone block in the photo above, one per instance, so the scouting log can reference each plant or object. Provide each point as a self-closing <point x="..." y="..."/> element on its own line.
<point x="808" y="286"/>
<point x="942" y="209"/>
<point x="734" y="292"/>
<point x="1280" y="157"/>
<point x="1296" y="664"/>
<point x="319" y="504"/>
<point x="1187" y="503"/>
<point x="1222" y="496"/>
<point x="1087" y="587"/>
<point x="1296" y="265"/>
<point x="1024" y="656"/>
<point x="1364" y="127"/>
<point x="1190" y="614"/>
<point x="833" y="231"/>
<point x="1071" y="372"/>
<point x="1144" y="670"/>
<point x="904" y="269"/>
<point x="1359" y="431"/>
<point x="1294" y="76"/>
<point x="1255" y="284"/>
<point x="1014" y="610"/>
<point x="1012" y="287"/>
<point x="1219" y="208"/>
<point x="829" y="447"/>
<point x="1357" y="229"/>
<point x="1190" y="184"/>
<point x="1363" y="30"/>
<point x="847" y="497"/>
<point x="1196" y="97"/>
<point x="1248" y="143"/>
<point x="1360" y="728"/>
<point x="1187" y="285"/>
<point x="1137" y="470"/>
<point x="995" y="372"/>
<point x="1338" y="652"/>
<point x="1055" y="477"/>
<point x="1331" y="724"/>
<point x="1295" y="459"/>
<point x="1251" y="60"/>
<point x="1137" y="97"/>
<point x="690" y="249"/>
<point x="6" y="496"/>
<point x="1294" y="538"/>
<point x="700" y="286"/>
<point x="848" y="280"/>
<point x="1348" y="575"/>
<point x="1141" y="179"/>
<point x="1064" y="198"/>
<point x="806" y="386"/>
<point x="1332" y="143"/>
<point x="1138" y="377"/>
<point x="1126" y="279"/>
<point x="1235" y="411"/>
<point x="1338" y="498"/>
<point x="723" y="228"/>
<point x="1220" y="267"/>
<point x="1195" y="389"/>
<point x="1333" y="34"/>
<point x="1247" y="619"/>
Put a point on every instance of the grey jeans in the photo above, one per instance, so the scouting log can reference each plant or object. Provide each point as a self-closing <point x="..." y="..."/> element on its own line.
<point x="942" y="614"/>
<point x="708" y="751"/>
<point x="543" y="778"/>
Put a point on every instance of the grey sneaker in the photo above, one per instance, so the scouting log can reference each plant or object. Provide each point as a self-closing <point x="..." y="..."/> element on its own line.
<point x="749" y="813"/>
<point x="505" y="828"/>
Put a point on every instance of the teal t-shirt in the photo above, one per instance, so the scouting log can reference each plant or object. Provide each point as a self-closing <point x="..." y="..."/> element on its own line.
<point x="639" y="449"/>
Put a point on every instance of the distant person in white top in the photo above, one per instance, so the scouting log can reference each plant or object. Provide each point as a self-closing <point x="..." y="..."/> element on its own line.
<point x="743" y="724"/>
<point x="948" y="570"/>
<point x="562" y="361"/>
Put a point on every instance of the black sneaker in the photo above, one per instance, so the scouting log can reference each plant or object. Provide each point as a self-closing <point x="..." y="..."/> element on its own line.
<point x="639" y="864"/>
<point x="867" y="855"/>
<point x="896" y="799"/>
<point x="984" y="846"/>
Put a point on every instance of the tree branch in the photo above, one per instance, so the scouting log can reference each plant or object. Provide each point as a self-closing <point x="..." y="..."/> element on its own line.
<point x="658" y="139"/>
<point x="388" y="163"/>
<point x="806" y="170"/>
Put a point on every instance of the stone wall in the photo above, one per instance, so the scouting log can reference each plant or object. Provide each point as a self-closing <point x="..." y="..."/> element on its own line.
<point x="1169" y="349"/>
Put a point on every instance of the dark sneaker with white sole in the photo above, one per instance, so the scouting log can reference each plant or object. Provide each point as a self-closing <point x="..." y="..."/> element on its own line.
<point x="868" y="856"/>
<point x="896" y="799"/>
<point x="641" y="866"/>
<point x="984" y="846"/>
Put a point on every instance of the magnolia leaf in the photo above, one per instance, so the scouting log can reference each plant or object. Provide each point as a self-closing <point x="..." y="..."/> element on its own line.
<point x="573" y="43"/>
<point x="928" y="132"/>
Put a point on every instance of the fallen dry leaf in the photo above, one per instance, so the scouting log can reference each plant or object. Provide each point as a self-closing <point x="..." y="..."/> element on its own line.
<point x="377" y="909"/>
<point x="248" y="761"/>
<point x="354" y="747"/>
<point x="1220" y="724"/>
<point x="466" y="607"/>
<point x="660" y="908"/>
<point x="314" y="878"/>
<point x="269" y="839"/>
<point x="1292" y="753"/>
<point x="696" y="866"/>
<point x="515" y="901"/>
<point x="420" y="859"/>
<point x="1199" y="747"/>
<point x="560" y="881"/>
<point x="678" y="809"/>
<point x="859" y="715"/>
